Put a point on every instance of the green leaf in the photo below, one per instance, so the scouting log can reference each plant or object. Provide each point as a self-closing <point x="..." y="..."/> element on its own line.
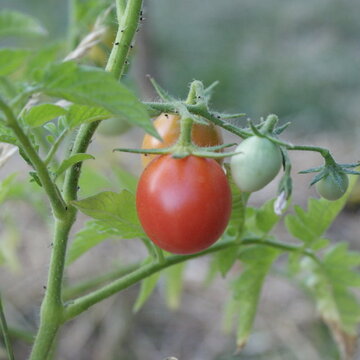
<point x="331" y="284"/>
<point x="247" y="287"/>
<point x="80" y="114"/>
<point x="262" y="220"/>
<point x="95" y="87"/>
<point x="225" y="260"/>
<point x="41" y="114"/>
<point x="93" y="233"/>
<point x="40" y="59"/>
<point x="6" y="186"/>
<point x="9" y="244"/>
<point x="14" y="23"/>
<point x="92" y="180"/>
<point x="309" y="225"/>
<point x="174" y="285"/>
<point x="11" y="60"/>
<point x="115" y="209"/>
<point x="266" y="218"/>
<point x="72" y="160"/>
<point x="126" y="180"/>
<point x="230" y="314"/>
<point x="146" y="289"/>
<point x="7" y="135"/>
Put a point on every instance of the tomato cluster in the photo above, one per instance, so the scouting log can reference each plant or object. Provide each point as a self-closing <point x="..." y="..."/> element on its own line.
<point x="183" y="204"/>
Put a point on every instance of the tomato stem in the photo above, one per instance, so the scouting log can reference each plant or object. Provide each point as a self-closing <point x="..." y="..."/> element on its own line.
<point x="81" y="304"/>
<point x="53" y="193"/>
<point x="5" y="332"/>
<point x="51" y="316"/>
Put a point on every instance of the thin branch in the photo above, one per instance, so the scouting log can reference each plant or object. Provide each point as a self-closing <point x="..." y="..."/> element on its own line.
<point x="81" y="304"/>
<point x="50" y="187"/>
<point x="5" y="332"/>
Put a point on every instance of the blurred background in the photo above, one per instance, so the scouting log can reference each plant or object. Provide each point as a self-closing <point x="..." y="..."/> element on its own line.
<point x="298" y="59"/>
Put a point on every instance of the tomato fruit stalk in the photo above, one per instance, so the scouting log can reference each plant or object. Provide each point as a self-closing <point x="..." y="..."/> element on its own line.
<point x="184" y="205"/>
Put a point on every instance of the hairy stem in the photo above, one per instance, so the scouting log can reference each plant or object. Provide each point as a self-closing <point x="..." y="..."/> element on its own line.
<point x="56" y="201"/>
<point x="203" y="112"/>
<point x="81" y="288"/>
<point x="52" y="306"/>
<point x="51" y="315"/>
<point x="5" y="332"/>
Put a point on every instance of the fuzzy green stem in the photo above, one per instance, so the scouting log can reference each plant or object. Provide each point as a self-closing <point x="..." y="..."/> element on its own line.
<point x="51" y="315"/>
<point x="5" y="332"/>
<point x="200" y="110"/>
<point x="83" y="303"/>
<point x="55" y="147"/>
<point x="56" y="201"/>
<point x="185" y="132"/>
<point x="269" y="124"/>
<point x="81" y="288"/>
<point x="128" y="24"/>
<point x="52" y="305"/>
<point x="21" y="334"/>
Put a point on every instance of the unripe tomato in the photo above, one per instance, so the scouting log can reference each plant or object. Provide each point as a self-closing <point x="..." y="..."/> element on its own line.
<point x="168" y="127"/>
<point x="184" y="204"/>
<point x="258" y="163"/>
<point x="329" y="189"/>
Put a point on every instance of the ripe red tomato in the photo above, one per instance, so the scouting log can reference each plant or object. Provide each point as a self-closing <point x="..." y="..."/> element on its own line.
<point x="168" y="127"/>
<point x="184" y="204"/>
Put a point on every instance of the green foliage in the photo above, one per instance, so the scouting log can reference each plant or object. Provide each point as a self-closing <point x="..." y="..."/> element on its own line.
<point x="72" y="160"/>
<point x="6" y="134"/>
<point x="146" y="289"/>
<point x="41" y="114"/>
<point x="81" y="114"/>
<point x="330" y="284"/>
<point x="93" y="233"/>
<point x="310" y="225"/>
<point x="33" y="80"/>
<point x="14" y="23"/>
<point x="117" y="210"/>
<point x="11" y="60"/>
<point x="174" y="285"/>
<point x="94" y="87"/>
<point x="247" y="287"/>
<point x="115" y="216"/>
<point x="262" y="220"/>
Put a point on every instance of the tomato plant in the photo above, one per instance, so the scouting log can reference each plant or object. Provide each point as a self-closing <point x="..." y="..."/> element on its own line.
<point x="329" y="189"/>
<point x="52" y="104"/>
<point x="168" y="127"/>
<point x="183" y="204"/>
<point x="258" y="162"/>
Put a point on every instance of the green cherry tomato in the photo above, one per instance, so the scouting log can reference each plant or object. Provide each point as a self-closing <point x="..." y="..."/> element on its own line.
<point x="258" y="163"/>
<point x="329" y="189"/>
<point x="184" y="205"/>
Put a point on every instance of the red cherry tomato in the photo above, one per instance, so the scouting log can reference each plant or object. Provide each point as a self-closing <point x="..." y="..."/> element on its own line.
<point x="184" y="204"/>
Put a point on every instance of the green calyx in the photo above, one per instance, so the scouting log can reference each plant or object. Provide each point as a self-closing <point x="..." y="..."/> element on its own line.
<point x="198" y="96"/>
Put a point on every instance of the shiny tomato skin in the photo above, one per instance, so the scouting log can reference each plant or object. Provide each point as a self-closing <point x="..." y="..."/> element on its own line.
<point x="168" y="127"/>
<point x="184" y="204"/>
